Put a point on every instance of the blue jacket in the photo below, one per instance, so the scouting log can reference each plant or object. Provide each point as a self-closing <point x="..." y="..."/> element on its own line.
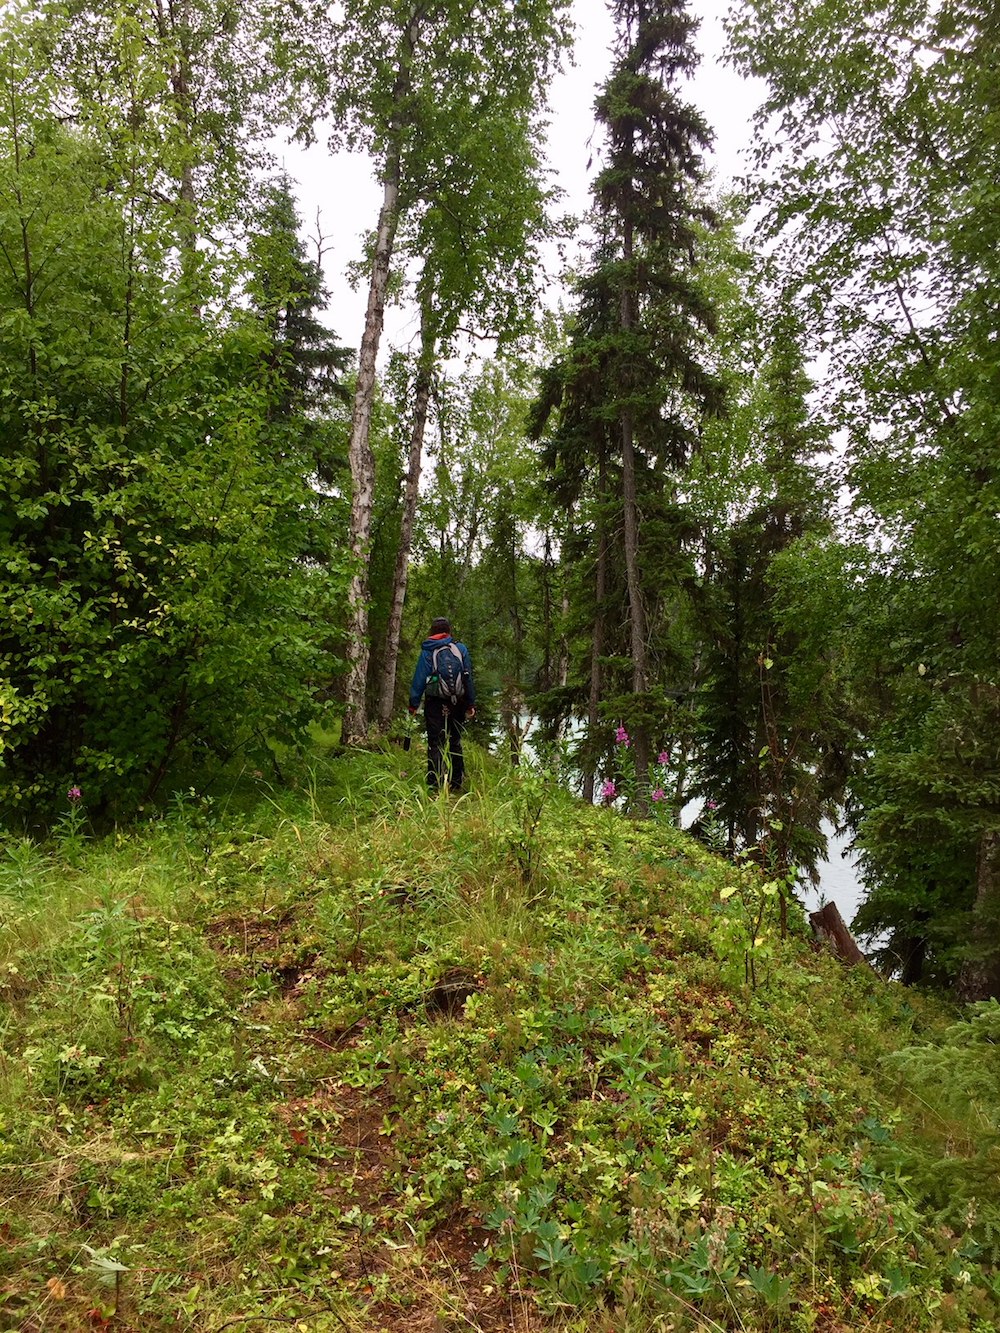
<point x="424" y="669"/>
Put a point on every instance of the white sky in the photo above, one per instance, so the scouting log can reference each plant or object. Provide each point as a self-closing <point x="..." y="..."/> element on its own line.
<point x="343" y="189"/>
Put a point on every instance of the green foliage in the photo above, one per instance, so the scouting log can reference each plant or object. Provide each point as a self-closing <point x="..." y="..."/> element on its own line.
<point x="884" y="238"/>
<point x="954" y="1087"/>
<point x="154" y="602"/>
<point x="474" y="538"/>
<point x="621" y="407"/>
<point x="770" y="714"/>
<point x="455" y="1050"/>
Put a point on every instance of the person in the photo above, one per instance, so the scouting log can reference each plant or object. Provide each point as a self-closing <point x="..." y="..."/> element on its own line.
<point x="444" y="673"/>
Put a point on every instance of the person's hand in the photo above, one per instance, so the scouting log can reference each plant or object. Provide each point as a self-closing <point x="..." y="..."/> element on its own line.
<point x="471" y="712"/>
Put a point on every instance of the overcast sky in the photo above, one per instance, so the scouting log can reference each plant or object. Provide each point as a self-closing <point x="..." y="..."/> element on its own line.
<point x="346" y="194"/>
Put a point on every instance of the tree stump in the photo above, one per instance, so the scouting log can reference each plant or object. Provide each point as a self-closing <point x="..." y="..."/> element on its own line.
<point x="829" y="928"/>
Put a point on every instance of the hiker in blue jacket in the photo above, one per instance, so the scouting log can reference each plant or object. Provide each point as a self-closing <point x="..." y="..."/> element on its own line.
<point x="444" y="679"/>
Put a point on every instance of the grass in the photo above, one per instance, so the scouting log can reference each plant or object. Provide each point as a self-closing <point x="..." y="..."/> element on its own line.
<point x="338" y="1056"/>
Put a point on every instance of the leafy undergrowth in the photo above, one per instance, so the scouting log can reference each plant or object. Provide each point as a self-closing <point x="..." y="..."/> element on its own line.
<point x="356" y="1060"/>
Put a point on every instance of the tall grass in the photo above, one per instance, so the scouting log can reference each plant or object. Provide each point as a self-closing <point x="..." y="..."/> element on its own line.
<point x="344" y="1055"/>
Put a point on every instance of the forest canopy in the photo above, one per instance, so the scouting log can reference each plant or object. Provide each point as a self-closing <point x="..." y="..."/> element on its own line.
<point x="723" y="527"/>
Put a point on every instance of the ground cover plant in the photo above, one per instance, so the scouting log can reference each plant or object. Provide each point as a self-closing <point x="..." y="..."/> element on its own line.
<point x="338" y="1056"/>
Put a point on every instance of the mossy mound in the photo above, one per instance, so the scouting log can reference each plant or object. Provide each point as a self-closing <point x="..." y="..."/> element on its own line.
<point x="356" y="1059"/>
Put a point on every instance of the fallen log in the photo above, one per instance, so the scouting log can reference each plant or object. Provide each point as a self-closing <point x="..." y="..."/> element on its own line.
<point x="831" y="932"/>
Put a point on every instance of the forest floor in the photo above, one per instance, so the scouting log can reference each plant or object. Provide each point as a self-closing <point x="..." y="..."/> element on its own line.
<point x="341" y="1057"/>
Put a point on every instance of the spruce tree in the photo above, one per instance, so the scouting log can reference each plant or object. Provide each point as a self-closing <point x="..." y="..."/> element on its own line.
<point x="633" y="388"/>
<point x="769" y="745"/>
<point x="879" y="171"/>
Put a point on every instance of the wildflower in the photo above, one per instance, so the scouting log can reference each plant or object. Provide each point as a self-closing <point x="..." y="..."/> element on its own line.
<point x="609" y="791"/>
<point x="663" y="758"/>
<point x="622" y="737"/>
<point x="74" y="794"/>
<point x="659" y="794"/>
<point x="711" y="805"/>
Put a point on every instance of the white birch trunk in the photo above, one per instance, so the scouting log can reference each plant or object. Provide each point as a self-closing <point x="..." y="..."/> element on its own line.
<point x="393" y="630"/>
<point x="362" y="462"/>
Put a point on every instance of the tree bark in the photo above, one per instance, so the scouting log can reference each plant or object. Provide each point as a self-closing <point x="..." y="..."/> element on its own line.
<point x="637" y="621"/>
<point x="173" y="23"/>
<point x="355" y="723"/>
<point x="546" y="681"/>
<point x="597" y="652"/>
<point x="979" y="978"/>
<point x="422" y="393"/>
<point x="829" y="928"/>
<point x="912" y="949"/>
<point x="563" y="676"/>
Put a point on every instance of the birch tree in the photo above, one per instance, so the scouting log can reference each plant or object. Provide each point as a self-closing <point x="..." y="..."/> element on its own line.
<point x="475" y="238"/>
<point x="412" y="84"/>
<point x="153" y="513"/>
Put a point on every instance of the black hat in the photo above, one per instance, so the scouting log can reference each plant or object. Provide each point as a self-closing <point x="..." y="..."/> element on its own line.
<point x="441" y="625"/>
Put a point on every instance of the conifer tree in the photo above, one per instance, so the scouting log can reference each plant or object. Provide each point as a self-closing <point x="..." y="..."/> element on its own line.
<point x="306" y="366"/>
<point x="633" y="387"/>
<point x="879" y="172"/>
<point x="767" y="742"/>
<point x="153" y="601"/>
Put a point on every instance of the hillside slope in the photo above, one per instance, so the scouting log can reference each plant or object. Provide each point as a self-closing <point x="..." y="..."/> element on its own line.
<point x="346" y="1058"/>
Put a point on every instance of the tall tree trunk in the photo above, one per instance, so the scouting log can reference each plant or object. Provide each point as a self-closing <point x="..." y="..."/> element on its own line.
<point x="979" y="978"/>
<point x="422" y="393"/>
<point x="641" y="750"/>
<point x="517" y="722"/>
<point x="563" y="677"/>
<point x="597" y="651"/>
<point x="355" y="724"/>
<point x="173" y="22"/>
<point x="547" y="653"/>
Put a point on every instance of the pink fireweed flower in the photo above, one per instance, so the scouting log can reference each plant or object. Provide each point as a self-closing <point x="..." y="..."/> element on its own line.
<point x="711" y="805"/>
<point x="659" y="794"/>
<point x="609" y="791"/>
<point x="663" y="758"/>
<point x="74" y="794"/>
<point x="622" y="737"/>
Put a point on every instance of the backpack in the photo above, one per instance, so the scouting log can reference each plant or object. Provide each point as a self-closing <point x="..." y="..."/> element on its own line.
<point x="446" y="681"/>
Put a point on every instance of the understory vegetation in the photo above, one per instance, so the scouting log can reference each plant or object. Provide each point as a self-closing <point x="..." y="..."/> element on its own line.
<point x="338" y="1056"/>
<point x="710" y="463"/>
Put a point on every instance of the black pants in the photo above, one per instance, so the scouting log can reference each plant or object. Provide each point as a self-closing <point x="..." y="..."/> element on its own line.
<point x="444" y="732"/>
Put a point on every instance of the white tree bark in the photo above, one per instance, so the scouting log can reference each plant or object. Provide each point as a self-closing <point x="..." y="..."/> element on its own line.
<point x="362" y="462"/>
<point x="422" y="395"/>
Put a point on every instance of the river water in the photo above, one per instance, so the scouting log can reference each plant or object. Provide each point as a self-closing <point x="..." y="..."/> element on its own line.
<point x="838" y="877"/>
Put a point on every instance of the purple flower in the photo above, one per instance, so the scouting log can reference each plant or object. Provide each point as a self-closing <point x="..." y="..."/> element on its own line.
<point x="74" y="794"/>
<point x="711" y="805"/>
<point x="659" y="794"/>
<point x="622" y="737"/>
<point x="609" y="791"/>
<point x="663" y="758"/>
